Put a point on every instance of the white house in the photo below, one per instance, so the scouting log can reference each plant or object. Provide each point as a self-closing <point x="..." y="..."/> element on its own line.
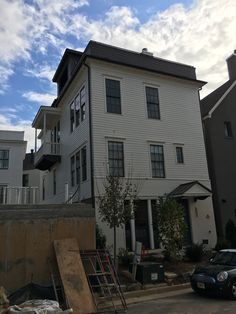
<point x="12" y="153"/>
<point x="125" y="112"/>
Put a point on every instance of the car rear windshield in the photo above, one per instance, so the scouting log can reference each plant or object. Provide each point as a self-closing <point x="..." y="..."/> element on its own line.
<point x="225" y="258"/>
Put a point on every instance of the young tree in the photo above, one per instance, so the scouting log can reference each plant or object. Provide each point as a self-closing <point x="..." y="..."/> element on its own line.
<point x="113" y="209"/>
<point x="171" y="225"/>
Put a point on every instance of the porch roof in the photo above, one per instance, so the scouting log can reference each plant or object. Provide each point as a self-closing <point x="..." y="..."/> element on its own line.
<point x="52" y="116"/>
<point x="191" y="189"/>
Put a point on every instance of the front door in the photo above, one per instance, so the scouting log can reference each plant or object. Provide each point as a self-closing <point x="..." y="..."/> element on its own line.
<point x="188" y="233"/>
<point x="141" y="223"/>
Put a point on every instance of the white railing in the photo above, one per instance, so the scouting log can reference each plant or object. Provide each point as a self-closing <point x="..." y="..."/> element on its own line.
<point x="47" y="148"/>
<point x="19" y="195"/>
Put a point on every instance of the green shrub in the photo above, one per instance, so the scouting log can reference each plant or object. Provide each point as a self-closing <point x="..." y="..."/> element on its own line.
<point x="100" y="238"/>
<point x="230" y="233"/>
<point x="194" y="252"/>
<point x="125" y="257"/>
<point x="221" y="244"/>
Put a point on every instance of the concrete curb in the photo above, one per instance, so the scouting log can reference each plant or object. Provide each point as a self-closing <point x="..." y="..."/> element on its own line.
<point x="153" y="293"/>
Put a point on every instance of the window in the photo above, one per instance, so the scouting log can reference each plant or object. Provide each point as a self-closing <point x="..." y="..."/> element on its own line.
<point x="152" y="103"/>
<point x="79" y="167"/>
<point x="3" y="194"/>
<point x="228" y="129"/>
<point x="113" y="96"/>
<point x="54" y="182"/>
<point x="72" y="116"/>
<point x="116" y="159"/>
<point x="82" y="103"/>
<point x="25" y="180"/>
<point x="77" y="109"/>
<point x="4" y="159"/>
<point x="72" y="170"/>
<point x="77" y="157"/>
<point x="179" y="155"/>
<point x="84" y="163"/>
<point x="157" y="160"/>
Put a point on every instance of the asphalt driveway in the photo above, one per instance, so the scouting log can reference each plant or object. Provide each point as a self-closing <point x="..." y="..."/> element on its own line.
<point x="184" y="302"/>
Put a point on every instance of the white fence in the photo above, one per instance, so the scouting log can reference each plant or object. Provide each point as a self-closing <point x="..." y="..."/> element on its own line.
<point x="19" y="195"/>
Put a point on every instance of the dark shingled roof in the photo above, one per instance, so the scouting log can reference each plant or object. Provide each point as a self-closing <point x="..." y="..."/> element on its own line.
<point x="183" y="188"/>
<point x="138" y="60"/>
<point x="125" y="57"/>
<point x="210" y="100"/>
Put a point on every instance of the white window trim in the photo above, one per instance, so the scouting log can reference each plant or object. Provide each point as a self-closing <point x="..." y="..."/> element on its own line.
<point x="115" y="78"/>
<point x="72" y="100"/>
<point x="158" y="87"/>
<point x="150" y="161"/>
<point x="175" y="153"/>
<point x="115" y="139"/>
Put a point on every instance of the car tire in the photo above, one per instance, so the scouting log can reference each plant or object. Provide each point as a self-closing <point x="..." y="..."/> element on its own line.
<point x="233" y="290"/>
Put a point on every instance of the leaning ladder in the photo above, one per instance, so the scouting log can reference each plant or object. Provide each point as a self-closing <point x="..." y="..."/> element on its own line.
<point x="103" y="281"/>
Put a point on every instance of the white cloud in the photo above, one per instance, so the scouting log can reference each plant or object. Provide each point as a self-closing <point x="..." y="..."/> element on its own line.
<point x="41" y="71"/>
<point x="202" y="35"/>
<point x="25" y="27"/>
<point x="43" y="99"/>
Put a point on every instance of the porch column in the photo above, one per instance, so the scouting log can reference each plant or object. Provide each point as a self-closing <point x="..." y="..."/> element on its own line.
<point x="132" y="230"/>
<point x="133" y="236"/>
<point x="35" y="140"/>
<point x="150" y="225"/>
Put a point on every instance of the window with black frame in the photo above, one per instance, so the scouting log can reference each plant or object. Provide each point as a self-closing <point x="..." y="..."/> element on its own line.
<point x="72" y="116"/>
<point x="179" y="155"/>
<point x="116" y="158"/>
<point x="3" y="194"/>
<point x="113" y="98"/>
<point x="82" y="103"/>
<point x="153" y="107"/>
<point x="4" y="159"/>
<point x="84" y="163"/>
<point x="157" y="161"/>
<point x="77" y="157"/>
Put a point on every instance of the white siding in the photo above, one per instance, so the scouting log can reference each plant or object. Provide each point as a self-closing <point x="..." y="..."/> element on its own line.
<point x="14" y="142"/>
<point x="180" y="123"/>
<point x="70" y="144"/>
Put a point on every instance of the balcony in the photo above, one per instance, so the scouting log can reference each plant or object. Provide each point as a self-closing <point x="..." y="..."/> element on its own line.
<point x="47" y="155"/>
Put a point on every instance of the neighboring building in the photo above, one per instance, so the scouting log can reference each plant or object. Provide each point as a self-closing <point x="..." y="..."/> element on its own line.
<point x="126" y="113"/>
<point x="31" y="179"/>
<point x="219" y="119"/>
<point x="12" y="153"/>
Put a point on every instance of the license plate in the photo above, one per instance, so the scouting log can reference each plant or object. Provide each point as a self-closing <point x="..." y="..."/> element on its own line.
<point x="201" y="285"/>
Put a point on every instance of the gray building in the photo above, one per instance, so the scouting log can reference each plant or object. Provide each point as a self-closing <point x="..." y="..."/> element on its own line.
<point x="219" y="120"/>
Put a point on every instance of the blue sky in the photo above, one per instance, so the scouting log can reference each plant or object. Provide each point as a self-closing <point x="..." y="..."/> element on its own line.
<point x="34" y="34"/>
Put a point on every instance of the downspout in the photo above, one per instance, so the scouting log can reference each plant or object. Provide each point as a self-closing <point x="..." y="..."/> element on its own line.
<point x="90" y="135"/>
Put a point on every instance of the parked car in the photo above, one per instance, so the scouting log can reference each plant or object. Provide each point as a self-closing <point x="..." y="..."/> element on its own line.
<point x="219" y="277"/>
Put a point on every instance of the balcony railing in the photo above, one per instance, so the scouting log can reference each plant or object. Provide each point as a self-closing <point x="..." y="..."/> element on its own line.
<point x="47" y="151"/>
<point x="19" y="195"/>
